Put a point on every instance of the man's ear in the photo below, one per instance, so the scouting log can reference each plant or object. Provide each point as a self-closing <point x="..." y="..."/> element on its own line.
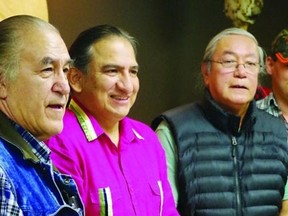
<point x="3" y="88"/>
<point x="205" y="73"/>
<point x="75" y="78"/>
<point x="269" y="65"/>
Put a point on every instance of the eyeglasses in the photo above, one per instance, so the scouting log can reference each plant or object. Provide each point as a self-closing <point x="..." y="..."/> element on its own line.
<point x="252" y="67"/>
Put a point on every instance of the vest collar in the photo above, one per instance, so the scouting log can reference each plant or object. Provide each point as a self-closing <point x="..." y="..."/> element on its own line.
<point x="225" y="121"/>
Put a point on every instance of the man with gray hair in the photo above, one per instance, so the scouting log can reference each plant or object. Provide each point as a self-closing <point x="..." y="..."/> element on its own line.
<point x="33" y="94"/>
<point x="225" y="156"/>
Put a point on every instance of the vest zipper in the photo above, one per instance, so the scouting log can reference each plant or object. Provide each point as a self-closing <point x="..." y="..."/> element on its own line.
<point x="236" y="176"/>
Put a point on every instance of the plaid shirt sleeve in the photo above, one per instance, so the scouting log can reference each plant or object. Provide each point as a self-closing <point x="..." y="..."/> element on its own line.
<point x="8" y="203"/>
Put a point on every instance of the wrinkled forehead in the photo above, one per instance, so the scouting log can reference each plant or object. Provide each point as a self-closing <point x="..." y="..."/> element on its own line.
<point x="44" y="44"/>
<point x="237" y="45"/>
<point x="34" y="35"/>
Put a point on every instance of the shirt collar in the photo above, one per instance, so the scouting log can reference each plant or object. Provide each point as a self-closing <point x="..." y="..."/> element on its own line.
<point x="83" y="120"/>
<point x="17" y="136"/>
<point x="270" y="100"/>
<point x="89" y="130"/>
<point x="269" y="103"/>
<point x="137" y="134"/>
<point x="38" y="148"/>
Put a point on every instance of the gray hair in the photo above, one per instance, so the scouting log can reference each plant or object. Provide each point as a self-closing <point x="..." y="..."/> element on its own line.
<point x="210" y="49"/>
<point x="81" y="51"/>
<point x="13" y="31"/>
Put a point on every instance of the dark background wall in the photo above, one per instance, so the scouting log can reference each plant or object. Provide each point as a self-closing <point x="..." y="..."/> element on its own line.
<point x="172" y="36"/>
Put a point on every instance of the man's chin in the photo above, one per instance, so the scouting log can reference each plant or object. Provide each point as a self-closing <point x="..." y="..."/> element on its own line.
<point x="55" y="128"/>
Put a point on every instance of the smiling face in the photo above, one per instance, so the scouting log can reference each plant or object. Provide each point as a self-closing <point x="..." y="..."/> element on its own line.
<point x="232" y="90"/>
<point x="110" y="88"/>
<point x="36" y="98"/>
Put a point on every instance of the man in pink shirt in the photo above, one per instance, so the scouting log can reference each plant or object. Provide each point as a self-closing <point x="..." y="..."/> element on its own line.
<point x="117" y="162"/>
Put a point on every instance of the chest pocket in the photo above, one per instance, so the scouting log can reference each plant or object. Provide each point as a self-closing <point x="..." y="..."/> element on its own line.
<point x="102" y="201"/>
<point x="157" y="191"/>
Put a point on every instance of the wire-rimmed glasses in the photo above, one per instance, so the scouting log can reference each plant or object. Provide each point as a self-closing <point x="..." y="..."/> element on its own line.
<point x="231" y="65"/>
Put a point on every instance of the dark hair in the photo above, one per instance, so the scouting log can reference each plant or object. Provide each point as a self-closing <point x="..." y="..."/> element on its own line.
<point x="81" y="50"/>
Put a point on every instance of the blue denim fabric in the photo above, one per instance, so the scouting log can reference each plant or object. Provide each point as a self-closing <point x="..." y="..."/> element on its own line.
<point x="37" y="186"/>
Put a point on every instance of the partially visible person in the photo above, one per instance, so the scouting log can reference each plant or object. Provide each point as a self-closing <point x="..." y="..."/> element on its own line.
<point x="262" y="92"/>
<point x="225" y="156"/>
<point x="117" y="162"/>
<point x="276" y="103"/>
<point x="277" y="67"/>
<point x="34" y="90"/>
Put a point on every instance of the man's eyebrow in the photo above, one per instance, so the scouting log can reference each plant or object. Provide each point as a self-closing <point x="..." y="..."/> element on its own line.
<point x="109" y="66"/>
<point x="49" y="60"/>
<point x="46" y="60"/>
<point x="135" y="67"/>
<point x="227" y="52"/>
<point x="69" y="62"/>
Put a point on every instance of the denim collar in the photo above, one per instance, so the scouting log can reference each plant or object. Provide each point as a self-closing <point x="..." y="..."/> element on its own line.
<point x="10" y="134"/>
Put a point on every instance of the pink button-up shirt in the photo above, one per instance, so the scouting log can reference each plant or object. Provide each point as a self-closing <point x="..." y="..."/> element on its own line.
<point x="127" y="180"/>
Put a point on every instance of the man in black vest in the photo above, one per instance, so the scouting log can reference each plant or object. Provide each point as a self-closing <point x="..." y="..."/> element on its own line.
<point x="226" y="157"/>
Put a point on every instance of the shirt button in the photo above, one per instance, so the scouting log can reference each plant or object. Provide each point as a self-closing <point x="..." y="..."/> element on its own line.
<point x="66" y="181"/>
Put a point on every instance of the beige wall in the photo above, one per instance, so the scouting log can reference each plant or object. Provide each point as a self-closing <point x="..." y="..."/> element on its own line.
<point x="36" y="8"/>
<point x="172" y="36"/>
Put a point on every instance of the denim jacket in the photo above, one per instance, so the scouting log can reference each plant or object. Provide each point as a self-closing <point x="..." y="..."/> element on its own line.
<point x="37" y="187"/>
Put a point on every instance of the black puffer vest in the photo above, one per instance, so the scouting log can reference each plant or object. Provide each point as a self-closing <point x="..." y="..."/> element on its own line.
<point x="224" y="171"/>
